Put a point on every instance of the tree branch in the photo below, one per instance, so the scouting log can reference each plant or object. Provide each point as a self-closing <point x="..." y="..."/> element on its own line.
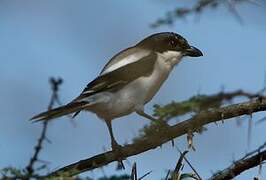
<point x="55" y="83"/>
<point x="198" y="8"/>
<point x="199" y="103"/>
<point x="161" y="137"/>
<point x="240" y="166"/>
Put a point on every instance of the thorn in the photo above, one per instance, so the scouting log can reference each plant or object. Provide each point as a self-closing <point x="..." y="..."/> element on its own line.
<point x="47" y="140"/>
<point x="190" y="140"/>
<point x="249" y="129"/>
<point x="222" y="117"/>
<point x="173" y="142"/>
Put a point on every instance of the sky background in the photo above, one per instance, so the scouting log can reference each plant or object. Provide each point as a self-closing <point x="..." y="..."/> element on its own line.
<point x="74" y="39"/>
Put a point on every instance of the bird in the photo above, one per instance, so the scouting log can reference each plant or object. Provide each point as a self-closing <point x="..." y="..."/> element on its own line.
<point x="128" y="81"/>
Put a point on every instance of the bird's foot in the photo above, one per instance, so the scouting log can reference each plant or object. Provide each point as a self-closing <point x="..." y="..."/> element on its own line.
<point x="118" y="153"/>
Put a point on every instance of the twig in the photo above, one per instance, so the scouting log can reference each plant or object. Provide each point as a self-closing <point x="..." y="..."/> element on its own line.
<point x="145" y="175"/>
<point x="180" y="161"/>
<point x="240" y="166"/>
<point x="179" y="165"/>
<point x="198" y="8"/>
<point x="199" y="102"/>
<point x="134" y="175"/>
<point x="190" y="165"/>
<point x="54" y="98"/>
<point x="168" y="174"/>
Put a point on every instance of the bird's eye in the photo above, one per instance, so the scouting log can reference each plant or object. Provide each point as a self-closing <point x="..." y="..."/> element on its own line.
<point x="172" y="43"/>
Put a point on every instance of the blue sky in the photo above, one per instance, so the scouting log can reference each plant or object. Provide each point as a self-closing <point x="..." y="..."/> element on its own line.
<point x="73" y="40"/>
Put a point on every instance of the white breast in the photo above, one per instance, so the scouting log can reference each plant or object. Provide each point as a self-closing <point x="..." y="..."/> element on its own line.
<point x="151" y="84"/>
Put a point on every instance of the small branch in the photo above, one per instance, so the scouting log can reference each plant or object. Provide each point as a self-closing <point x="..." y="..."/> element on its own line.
<point x="168" y="174"/>
<point x="198" y="8"/>
<point x="54" y="98"/>
<point x="145" y="175"/>
<point x="191" y="106"/>
<point x="240" y="166"/>
<point x="176" y="174"/>
<point x="134" y="175"/>
<point x="180" y="162"/>
<point x="161" y="137"/>
<point x="189" y="164"/>
<point x="38" y="147"/>
<point x="198" y="103"/>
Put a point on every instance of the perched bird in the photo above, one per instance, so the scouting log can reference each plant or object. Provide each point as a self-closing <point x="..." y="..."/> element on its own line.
<point x="129" y="80"/>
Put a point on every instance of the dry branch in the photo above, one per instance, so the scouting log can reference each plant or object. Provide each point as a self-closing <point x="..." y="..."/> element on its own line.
<point x="198" y="8"/>
<point x="55" y="83"/>
<point x="240" y="166"/>
<point x="161" y="137"/>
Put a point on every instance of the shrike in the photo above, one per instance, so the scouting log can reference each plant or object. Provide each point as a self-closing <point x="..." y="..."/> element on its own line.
<point x="129" y="80"/>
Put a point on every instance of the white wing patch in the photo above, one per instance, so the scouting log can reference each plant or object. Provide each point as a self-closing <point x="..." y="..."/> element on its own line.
<point x="124" y="61"/>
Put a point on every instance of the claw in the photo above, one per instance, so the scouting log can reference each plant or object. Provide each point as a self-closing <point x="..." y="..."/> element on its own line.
<point x="117" y="150"/>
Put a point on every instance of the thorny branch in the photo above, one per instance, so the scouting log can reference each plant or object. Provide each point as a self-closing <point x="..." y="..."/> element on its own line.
<point x="194" y="105"/>
<point x="160" y="137"/>
<point x="198" y="8"/>
<point x="251" y="160"/>
<point x="55" y="83"/>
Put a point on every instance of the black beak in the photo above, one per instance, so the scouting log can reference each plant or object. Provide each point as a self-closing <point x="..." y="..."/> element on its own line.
<point x="193" y="52"/>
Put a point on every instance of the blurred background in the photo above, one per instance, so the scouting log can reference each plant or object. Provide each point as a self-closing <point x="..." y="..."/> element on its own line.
<point x="74" y="39"/>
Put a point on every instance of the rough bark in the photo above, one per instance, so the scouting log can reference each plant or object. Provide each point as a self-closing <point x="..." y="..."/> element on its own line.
<point x="163" y="136"/>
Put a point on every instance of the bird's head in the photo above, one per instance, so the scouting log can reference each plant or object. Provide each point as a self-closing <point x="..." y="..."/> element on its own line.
<point x="169" y="42"/>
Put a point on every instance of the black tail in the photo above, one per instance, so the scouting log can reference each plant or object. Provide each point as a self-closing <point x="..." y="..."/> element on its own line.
<point x="60" y="111"/>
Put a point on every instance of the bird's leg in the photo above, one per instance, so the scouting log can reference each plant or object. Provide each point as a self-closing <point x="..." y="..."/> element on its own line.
<point x="147" y="116"/>
<point x="115" y="146"/>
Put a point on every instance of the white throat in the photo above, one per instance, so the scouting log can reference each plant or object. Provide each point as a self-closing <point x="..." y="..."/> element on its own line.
<point x="171" y="57"/>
